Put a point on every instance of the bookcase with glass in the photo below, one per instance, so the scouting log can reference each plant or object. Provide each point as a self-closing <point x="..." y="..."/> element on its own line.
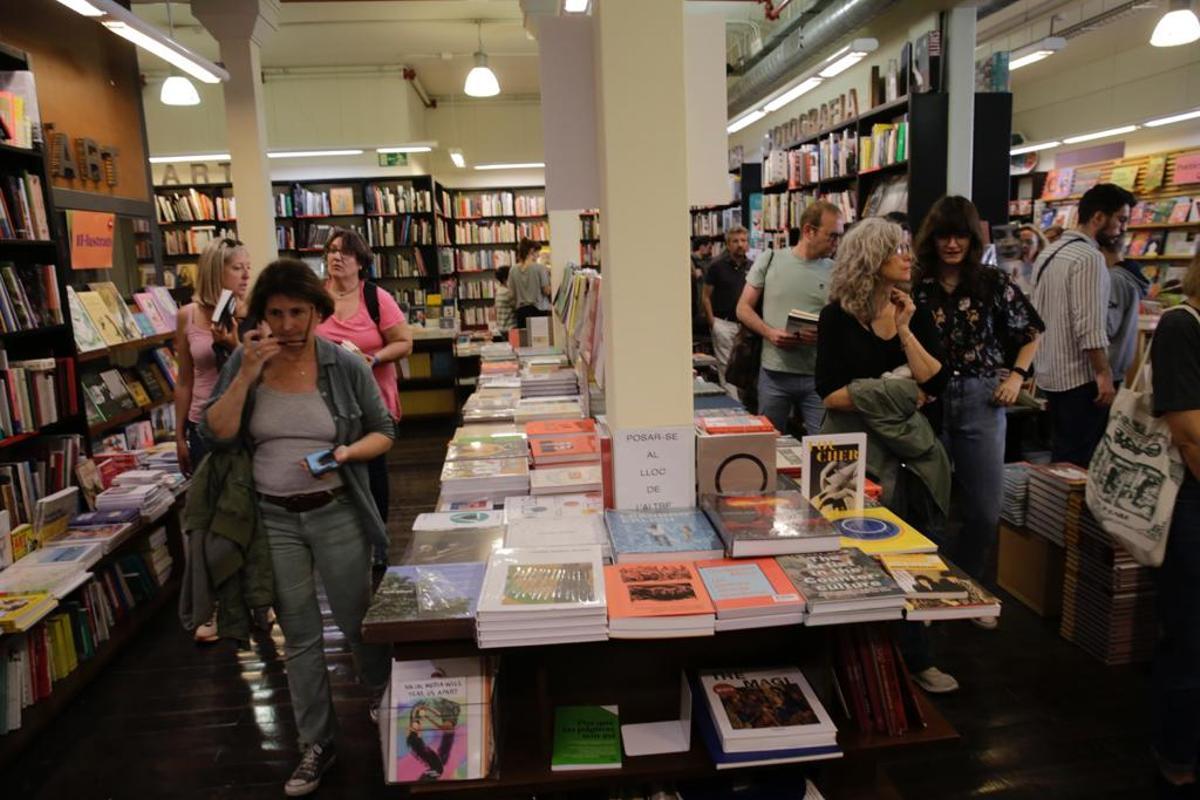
<point x="87" y="545"/>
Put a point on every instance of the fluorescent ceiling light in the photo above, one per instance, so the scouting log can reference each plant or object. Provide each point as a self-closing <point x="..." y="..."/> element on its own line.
<point x="82" y="7"/>
<point x="1032" y="148"/>
<point x="792" y="94"/>
<point x="529" y="165"/>
<point x="1177" y="27"/>
<point x="1087" y="137"/>
<point x="456" y="156"/>
<point x="313" y="153"/>
<point x="179" y="91"/>
<point x="192" y="158"/>
<point x="848" y="56"/>
<point x="575" y="6"/>
<point x="746" y="121"/>
<point x="1035" y="52"/>
<point x="406" y="148"/>
<point x="1154" y="123"/>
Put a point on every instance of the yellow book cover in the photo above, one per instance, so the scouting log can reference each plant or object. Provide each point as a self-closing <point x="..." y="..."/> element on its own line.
<point x="137" y="391"/>
<point x="58" y="654"/>
<point x="876" y="531"/>
<point x="117" y="308"/>
<point x="341" y="200"/>
<point x="23" y="541"/>
<point x="18" y="612"/>
<point x="95" y="307"/>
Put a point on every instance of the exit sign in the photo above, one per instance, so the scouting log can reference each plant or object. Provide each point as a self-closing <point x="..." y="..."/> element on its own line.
<point x="393" y="159"/>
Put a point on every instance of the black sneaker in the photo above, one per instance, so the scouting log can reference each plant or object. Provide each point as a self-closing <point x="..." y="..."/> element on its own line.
<point x="307" y="776"/>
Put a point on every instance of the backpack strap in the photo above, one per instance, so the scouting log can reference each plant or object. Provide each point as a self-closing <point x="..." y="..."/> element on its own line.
<point x="1050" y="258"/>
<point x="371" y="298"/>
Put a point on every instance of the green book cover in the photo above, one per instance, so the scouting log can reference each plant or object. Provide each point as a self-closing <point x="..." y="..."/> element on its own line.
<point x="586" y="737"/>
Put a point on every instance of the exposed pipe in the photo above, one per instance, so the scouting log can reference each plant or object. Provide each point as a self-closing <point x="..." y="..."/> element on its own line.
<point x="410" y="75"/>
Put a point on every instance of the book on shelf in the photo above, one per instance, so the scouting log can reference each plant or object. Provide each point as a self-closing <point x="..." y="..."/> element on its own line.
<point x="458" y="520"/>
<point x="565" y="531"/>
<point x="57" y="580"/>
<point x="341" y="201"/>
<point x="843" y="585"/>
<point x="426" y="592"/>
<point x="872" y="682"/>
<point x="769" y="524"/>
<point x="877" y="531"/>
<point x="750" y="592"/>
<point x="19" y="108"/>
<point x="453" y="546"/>
<point x="657" y="600"/>
<point x="20" y="612"/>
<point x="569" y="479"/>
<point x="834" y="470"/>
<point x="670" y="536"/>
<point x="396" y="199"/>
<point x="95" y="316"/>
<point x="22" y="208"/>
<point x="925" y="576"/>
<point x="764" y="710"/>
<point x="483" y="204"/>
<point x="978" y="603"/>
<point x="586" y="737"/>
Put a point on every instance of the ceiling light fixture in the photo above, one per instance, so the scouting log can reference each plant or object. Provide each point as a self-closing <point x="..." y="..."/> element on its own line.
<point x="1087" y="137"/>
<point x="848" y="56"/>
<point x="176" y="89"/>
<point x="575" y="6"/>
<point x="1177" y="27"/>
<point x="313" y="153"/>
<point x="792" y="94"/>
<point x="1033" y="148"/>
<point x="1154" y="123"/>
<point x="481" y="81"/>
<point x="456" y="156"/>
<point x="406" y="148"/>
<point x="82" y="7"/>
<point x="529" y="165"/>
<point x="746" y="121"/>
<point x="1035" y="52"/>
<point x="195" y="159"/>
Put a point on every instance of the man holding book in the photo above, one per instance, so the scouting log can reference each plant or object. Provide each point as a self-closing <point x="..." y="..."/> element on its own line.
<point x="723" y="282"/>
<point x="787" y="281"/>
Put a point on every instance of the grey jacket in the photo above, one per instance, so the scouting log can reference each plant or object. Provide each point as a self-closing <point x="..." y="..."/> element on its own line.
<point x="1124" y="300"/>
<point x="345" y="382"/>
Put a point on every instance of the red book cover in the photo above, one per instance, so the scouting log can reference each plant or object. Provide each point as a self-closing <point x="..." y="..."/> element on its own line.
<point x="654" y="590"/>
<point x="908" y="691"/>
<point x="565" y="449"/>
<point x="68" y="395"/>
<point x="736" y="424"/>
<point x="871" y="678"/>
<point x="854" y="684"/>
<point x="559" y="427"/>
<point x="888" y="685"/>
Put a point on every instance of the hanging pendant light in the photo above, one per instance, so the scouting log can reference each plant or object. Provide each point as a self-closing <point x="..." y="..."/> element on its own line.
<point x="176" y="89"/>
<point x="1177" y="27"/>
<point x="481" y="81"/>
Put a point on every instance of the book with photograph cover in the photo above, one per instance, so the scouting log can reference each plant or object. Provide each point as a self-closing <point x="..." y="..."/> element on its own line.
<point x="841" y="580"/>
<point x="834" y="470"/>
<point x="765" y="708"/>
<point x="925" y="576"/>
<point x="657" y="597"/>
<point x="672" y="535"/>
<point x="453" y="546"/>
<point x="418" y="593"/>
<point x="769" y="524"/>
<point x="541" y="580"/>
<point x="464" y="449"/>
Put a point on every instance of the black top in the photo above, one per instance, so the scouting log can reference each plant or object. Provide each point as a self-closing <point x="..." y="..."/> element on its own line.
<point x="847" y="351"/>
<point x="1175" y="362"/>
<point x="980" y="335"/>
<point x="727" y="280"/>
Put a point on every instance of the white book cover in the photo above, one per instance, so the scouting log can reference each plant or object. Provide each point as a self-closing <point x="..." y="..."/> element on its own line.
<point x="557" y="506"/>
<point x="576" y="477"/>
<point x="458" y="520"/>
<point x="484" y="468"/>
<point x="81" y="555"/>
<point x="833" y="471"/>
<point x="543" y="580"/>
<point x="561" y="532"/>
<point x="763" y="704"/>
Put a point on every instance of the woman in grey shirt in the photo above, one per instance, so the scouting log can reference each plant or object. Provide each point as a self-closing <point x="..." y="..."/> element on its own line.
<point x="286" y="394"/>
<point x="529" y="283"/>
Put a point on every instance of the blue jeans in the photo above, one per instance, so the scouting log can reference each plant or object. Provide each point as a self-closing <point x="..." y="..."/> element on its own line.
<point x="780" y="392"/>
<point x="330" y="540"/>
<point x="1175" y="680"/>
<point x="973" y="431"/>
<point x="1076" y="424"/>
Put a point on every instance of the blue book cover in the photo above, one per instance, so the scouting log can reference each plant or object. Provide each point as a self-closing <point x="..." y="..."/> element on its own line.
<point x="682" y="534"/>
<point x="108" y="517"/>
<point x="424" y="592"/>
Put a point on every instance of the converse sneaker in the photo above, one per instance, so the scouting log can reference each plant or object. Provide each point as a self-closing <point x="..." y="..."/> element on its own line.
<point x="987" y="623"/>
<point x="934" y="681"/>
<point x="307" y="777"/>
<point x="373" y="709"/>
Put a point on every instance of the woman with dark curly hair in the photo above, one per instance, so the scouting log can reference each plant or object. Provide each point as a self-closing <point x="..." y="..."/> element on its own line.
<point x="285" y="394"/>
<point x="989" y="332"/>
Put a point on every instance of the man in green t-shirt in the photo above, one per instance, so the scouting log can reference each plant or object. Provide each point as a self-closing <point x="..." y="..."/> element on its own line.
<point x="785" y="280"/>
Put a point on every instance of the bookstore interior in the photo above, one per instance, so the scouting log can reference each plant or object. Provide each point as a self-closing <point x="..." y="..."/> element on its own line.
<point x="888" y="498"/>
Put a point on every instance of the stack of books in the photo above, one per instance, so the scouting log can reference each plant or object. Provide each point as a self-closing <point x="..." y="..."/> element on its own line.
<point x="491" y="405"/>
<point x="566" y="456"/>
<point x="150" y="500"/>
<point x="546" y="595"/>
<point x="1016" y="492"/>
<point x="844" y="586"/>
<point x="455" y="537"/>
<point x="157" y="555"/>
<point x="1053" y="489"/>
<point x="935" y="589"/>
<point x="769" y="524"/>
<point x="877" y="531"/>
<point x="470" y="448"/>
<point x="568" y="520"/>
<point x="873" y="684"/>
<point x="672" y="535"/>
<point x="789" y="456"/>
<point x="496" y="351"/>
<point x="20" y="612"/>
<point x="426" y="593"/>
<point x="495" y="478"/>
<point x="529" y="409"/>
<point x="657" y="601"/>
<point x="751" y="593"/>
<point x="761" y="717"/>
<point x="548" y="381"/>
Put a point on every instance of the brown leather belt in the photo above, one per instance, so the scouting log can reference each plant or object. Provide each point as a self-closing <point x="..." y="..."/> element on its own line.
<point x="297" y="503"/>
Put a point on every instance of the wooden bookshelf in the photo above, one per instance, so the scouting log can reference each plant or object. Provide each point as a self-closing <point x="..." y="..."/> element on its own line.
<point x="134" y="346"/>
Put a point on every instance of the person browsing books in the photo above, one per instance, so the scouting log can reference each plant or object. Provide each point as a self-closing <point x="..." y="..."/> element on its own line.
<point x="989" y="333"/>
<point x="286" y="394"/>
<point x="724" y="280"/>
<point x="786" y="280"/>
<point x="382" y="338"/>
<point x="505" y="312"/>
<point x="1128" y="287"/>
<point x="529" y="282"/>
<point x="1071" y="289"/>
<point x="1175" y="362"/>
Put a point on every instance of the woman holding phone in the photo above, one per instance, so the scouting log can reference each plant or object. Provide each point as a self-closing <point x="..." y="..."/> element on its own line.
<point x="288" y="394"/>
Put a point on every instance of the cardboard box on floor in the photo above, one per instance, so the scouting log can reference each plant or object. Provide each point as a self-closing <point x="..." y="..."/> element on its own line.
<point x="730" y="463"/>
<point x="1030" y="568"/>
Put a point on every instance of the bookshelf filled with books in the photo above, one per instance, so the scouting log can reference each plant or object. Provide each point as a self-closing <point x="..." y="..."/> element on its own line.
<point x="589" y="238"/>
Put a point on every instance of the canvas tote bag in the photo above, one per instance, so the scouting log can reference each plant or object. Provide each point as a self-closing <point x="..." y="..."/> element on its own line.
<point x="1136" y="471"/>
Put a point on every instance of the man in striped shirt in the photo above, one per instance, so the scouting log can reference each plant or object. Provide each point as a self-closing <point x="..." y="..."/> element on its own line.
<point x="1071" y="295"/>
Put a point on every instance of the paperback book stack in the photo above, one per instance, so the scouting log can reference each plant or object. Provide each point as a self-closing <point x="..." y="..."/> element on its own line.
<point x="566" y="456"/>
<point x="873" y="683"/>
<point x="935" y="589"/>
<point x="1016" y="492"/>
<point x="455" y="537"/>
<point x="529" y="409"/>
<point x="559" y="382"/>
<point x="657" y="601"/>
<point x="769" y="524"/>
<point x="538" y="596"/>
<point x="471" y="448"/>
<point x="559" y="520"/>
<point x="751" y="593"/>
<point x="493" y="478"/>
<point x="671" y="535"/>
<point x="150" y="500"/>
<point x="789" y="456"/>
<point x="491" y="405"/>
<point x="1054" y="490"/>
<point x="426" y="593"/>
<point x="844" y="586"/>
<point x="1108" y="598"/>
<point x="438" y="721"/>
<point x="760" y="717"/>
<point x="157" y="555"/>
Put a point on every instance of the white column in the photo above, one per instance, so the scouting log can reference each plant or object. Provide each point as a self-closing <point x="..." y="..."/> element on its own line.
<point x="960" y="76"/>
<point x="642" y="136"/>
<point x="240" y="27"/>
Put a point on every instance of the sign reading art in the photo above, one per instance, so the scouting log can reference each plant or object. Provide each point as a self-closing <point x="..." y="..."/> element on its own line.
<point x="91" y="239"/>
<point x="88" y="161"/>
<point x="655" y="468"/>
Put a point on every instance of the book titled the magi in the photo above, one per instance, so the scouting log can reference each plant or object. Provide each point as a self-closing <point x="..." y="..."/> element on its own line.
<point x="762" y="704"/>
<point x="834" y="470"/>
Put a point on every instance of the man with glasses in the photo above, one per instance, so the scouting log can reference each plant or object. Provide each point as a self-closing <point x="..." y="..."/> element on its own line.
<point x="785" y="280"/>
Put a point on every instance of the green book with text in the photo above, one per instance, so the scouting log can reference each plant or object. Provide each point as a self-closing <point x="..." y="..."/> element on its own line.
<point x="586" y="737"/>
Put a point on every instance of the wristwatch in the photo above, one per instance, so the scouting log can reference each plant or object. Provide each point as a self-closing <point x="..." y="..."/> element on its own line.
<point x="1024" y="373"/>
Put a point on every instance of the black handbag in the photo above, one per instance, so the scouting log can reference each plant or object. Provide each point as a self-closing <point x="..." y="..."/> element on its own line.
<point x="745" y="358"/>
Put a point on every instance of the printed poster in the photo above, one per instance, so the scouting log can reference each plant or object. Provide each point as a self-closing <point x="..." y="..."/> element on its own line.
<point x="91" y="239"/>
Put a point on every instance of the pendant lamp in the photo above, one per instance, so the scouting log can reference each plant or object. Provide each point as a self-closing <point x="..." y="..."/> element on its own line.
<point x="176" y="89"/>
<point x="1177" y="27"/>
<point x="481" y="81"/>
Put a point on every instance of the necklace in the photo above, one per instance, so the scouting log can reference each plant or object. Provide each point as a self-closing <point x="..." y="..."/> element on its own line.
<point x="346" y="293"/>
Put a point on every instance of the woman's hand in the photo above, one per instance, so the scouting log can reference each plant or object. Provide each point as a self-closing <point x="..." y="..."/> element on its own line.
<point x="185" y="457"/>
<point x="259" y="348"/>
<point x="341" y="454"/>
<point x="1009" y="389"/>
<point x="903" y="307"/>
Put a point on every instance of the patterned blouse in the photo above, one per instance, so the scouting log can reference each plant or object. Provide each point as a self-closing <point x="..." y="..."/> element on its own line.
<point x="980" y="337"/>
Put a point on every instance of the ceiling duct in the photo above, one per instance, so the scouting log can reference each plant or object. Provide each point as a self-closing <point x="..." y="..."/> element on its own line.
<point x="799" y="49"/>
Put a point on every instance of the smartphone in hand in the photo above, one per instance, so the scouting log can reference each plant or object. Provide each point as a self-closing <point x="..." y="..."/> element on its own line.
<point x="320" y="462"/>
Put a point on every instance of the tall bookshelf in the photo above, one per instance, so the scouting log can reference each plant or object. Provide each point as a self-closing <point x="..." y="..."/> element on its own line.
<point x="589" y="239"/>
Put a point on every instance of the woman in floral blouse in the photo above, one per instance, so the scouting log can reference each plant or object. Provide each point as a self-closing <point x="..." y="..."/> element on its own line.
<point x="990" y="334"/>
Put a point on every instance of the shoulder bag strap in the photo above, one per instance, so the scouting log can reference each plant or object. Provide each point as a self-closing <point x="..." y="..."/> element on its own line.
<point x="1144" y="358"/>
<point x="1050" y="258"/>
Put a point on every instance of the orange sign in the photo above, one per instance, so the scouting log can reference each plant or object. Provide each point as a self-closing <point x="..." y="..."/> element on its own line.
<point x="91" y="239"/>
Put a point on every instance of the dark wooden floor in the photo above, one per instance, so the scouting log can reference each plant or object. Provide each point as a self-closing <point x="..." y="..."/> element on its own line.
<point x="1038" y="717"/>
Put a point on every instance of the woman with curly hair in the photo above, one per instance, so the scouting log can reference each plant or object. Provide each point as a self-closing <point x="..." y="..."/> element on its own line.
<point x="989" y="331"/>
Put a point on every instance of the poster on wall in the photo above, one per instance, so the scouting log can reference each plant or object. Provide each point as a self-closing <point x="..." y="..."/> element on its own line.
<point x="1187" y="169"/>
<point x="91" y="239"/>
